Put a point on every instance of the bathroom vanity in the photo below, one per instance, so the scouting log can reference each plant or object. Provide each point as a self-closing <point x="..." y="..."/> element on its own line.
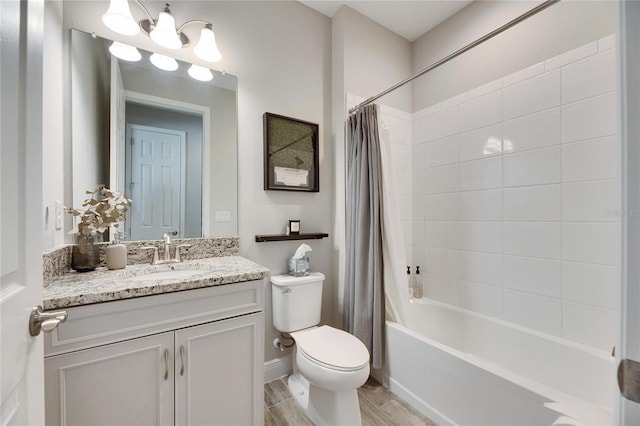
<point x="171" y="344"/>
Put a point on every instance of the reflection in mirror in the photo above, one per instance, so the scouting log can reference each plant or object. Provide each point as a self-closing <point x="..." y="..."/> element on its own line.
<point x="163" y="138"/>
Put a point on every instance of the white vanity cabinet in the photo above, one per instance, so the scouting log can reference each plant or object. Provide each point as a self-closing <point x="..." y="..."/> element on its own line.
<point x="188" y="357"/>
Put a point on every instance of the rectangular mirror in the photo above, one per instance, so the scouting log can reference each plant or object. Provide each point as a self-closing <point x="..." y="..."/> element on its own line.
<point x="163" y="138"/>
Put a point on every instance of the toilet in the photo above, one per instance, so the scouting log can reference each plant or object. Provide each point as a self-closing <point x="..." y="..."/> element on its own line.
<point x="329" y="364"/>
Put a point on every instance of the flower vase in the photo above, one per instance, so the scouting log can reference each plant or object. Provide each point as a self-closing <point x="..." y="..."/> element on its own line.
<point x="85" y="255"/>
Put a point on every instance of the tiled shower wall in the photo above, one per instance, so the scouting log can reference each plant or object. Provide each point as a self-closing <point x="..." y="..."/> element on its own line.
<point x="510" y="196"/>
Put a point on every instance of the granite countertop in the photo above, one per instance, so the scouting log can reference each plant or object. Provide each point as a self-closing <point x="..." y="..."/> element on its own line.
<point x="103" y="285"/>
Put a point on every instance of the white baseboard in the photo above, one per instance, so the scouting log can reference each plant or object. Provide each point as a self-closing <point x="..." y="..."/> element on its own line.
<point x="277" y="367"/>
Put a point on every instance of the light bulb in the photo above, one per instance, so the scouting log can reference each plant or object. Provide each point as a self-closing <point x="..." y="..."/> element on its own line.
<point x="200" y="73"/>
<point x="124" y="52"/>
<point x="118" y="18"/>
<point x="164" y="32"/>
<point x="206" y="48"/>
<point x="163" y="62"/>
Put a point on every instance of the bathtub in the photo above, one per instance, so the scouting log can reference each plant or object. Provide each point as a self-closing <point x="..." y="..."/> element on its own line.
<point x="458" y="367"/>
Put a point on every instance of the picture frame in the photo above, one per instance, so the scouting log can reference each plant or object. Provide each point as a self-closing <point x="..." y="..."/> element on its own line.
<point x="290" y="154"/>
<point x="294" y="227"/>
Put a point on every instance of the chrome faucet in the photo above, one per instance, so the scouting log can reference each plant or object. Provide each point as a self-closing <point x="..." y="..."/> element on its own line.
<point x="166" y="239"/>
<point x="167" y="245"/>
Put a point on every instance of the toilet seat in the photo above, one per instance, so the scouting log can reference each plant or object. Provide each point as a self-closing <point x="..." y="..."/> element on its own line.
<point x="332" y="348"/>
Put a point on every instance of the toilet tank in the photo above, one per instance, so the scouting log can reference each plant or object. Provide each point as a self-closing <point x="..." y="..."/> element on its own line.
<point x="296" y="301"/>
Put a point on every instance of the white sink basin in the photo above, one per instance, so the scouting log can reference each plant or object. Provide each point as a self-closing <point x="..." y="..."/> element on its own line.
<point x="168" y="275"/>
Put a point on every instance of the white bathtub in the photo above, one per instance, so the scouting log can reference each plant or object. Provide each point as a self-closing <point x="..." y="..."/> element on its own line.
<point x="458" y="367"/>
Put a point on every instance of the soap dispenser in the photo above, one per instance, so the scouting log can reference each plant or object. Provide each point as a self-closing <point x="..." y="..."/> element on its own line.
<point x="410" y="281"/>
<point x="417" y="289"/>
<point x="116" y="253"/>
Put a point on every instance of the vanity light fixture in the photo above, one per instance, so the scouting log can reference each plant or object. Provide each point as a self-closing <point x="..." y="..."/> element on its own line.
<point x="163" y="30"/>
<point x="125" y="52"/>
<point x="164" y="62"/>
<point x="200" y="73"/>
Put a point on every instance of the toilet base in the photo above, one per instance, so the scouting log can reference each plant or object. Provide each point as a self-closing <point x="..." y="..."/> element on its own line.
<point x="324" y="407"/>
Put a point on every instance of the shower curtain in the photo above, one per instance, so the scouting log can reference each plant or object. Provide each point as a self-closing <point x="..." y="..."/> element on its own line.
<point x="364" y="298"/>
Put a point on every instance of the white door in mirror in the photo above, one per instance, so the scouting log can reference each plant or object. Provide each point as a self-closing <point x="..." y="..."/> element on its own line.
<point x="156" y="182"/>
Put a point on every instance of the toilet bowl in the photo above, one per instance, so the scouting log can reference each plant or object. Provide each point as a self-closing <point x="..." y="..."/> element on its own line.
<point x="331" y="359"/>
<point x="329" y="364"/>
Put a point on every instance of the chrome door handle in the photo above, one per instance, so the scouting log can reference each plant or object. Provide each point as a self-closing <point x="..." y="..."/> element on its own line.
<point x="166" y="364"/>
<point x="182" y="360"/>
<point x="46" y="321"/>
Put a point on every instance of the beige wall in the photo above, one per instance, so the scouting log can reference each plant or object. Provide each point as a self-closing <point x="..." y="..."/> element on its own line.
<point x="280" y="52"/>
<point x="559" y="28"/>
<point x="366" y="59"/>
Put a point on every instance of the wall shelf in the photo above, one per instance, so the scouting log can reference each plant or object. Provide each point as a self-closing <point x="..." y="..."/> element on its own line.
<point x="282" y="237"/>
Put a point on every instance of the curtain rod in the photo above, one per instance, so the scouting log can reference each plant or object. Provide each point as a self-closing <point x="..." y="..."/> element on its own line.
<point x="459" y="52"/>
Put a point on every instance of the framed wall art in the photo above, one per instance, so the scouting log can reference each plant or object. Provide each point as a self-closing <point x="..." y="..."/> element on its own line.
<point x="290" y="154"/>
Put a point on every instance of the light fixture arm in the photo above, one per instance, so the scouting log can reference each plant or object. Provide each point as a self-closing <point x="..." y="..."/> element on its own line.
<point x="146" y="11"/>
<point x="195" y="21"/>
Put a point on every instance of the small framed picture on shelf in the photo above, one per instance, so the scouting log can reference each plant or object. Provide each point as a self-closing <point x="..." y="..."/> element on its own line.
<point x="294" y="227"/>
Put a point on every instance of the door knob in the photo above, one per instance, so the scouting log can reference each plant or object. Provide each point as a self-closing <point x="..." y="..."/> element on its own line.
<point x="46" y="321"/>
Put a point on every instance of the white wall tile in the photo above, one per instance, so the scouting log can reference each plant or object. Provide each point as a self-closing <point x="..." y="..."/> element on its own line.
<point x="522" y="75"/>
<point x="441" y="234"/>
<point x="492" y="86"/>
<point x="441" y="151"/>
<point x="537" y="167"/>
<point x="481" y="236"/>
<point x="589" y="118"/>
<point x="417" y="257"/>
<point x="590" y="201"/>
<point x="435" y="126"/>
<point x="590" y="242"/>
<point x="417" y="156"/>
<point x="588" y="77"/>
<point x="417" y="236"/>
<point x="480" y="267"/>
<point x="589" y="325"/>
<point x="532" y="131"/>
<point x="441" y="206"/>
<point x="608" y="42"/>
<point x="591" y="159"/>
<point x="480" y="143"/>
<point x="482" y="298"/>
<point x="441" y="262"/>
<point x="441" y="288"/>
<point x="532" y="95"/>
<point x="532" y="203"/>
<point x="481" y="205"/>
<point x="417" y="207"/>
<point x="591" y="284"/>
<point x="441" y="179"/>
<point x="571" y="56"/>
<point x="415" y="185"/>
<point x="481" y="112"/>
<point x="533" y="275"/>
<point x="533" y="311"/>
<point x="481" y="174"/>
<point x="533" y="239"/>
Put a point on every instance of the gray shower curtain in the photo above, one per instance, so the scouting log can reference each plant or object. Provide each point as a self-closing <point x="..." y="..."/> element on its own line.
<point x="364" y="302"/>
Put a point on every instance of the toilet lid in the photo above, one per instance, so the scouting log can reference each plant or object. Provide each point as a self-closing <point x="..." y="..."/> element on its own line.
<point x="332" y="347"/>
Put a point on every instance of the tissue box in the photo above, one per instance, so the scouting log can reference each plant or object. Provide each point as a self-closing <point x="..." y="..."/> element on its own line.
<point x="299" y="267"/>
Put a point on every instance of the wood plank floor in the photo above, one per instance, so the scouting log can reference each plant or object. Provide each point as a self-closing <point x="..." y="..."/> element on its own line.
<point x="378" y="407"/>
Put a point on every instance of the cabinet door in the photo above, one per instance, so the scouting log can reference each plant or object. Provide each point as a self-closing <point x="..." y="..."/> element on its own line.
<point x="219" y="378"/>
<point x="127" y="383"/>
